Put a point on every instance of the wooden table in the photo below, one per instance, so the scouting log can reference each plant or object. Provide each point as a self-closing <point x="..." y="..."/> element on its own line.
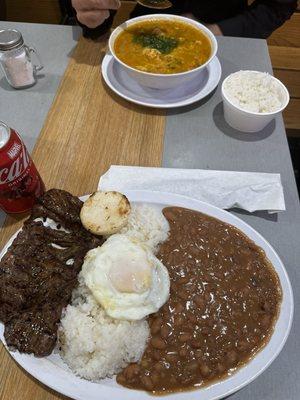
<point x="88" y="129"/>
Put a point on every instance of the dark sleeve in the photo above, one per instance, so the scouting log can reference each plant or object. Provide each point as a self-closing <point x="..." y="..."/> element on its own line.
<point x="260" y="19"/>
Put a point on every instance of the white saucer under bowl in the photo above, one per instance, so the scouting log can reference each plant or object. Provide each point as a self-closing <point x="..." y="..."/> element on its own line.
<point x="123" y="85"/>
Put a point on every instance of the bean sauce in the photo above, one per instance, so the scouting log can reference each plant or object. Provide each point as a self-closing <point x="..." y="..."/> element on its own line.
<point x="224" y="301"/>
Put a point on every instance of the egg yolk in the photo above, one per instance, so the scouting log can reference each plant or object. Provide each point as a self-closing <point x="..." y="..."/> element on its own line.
<point x="131" y="275"/>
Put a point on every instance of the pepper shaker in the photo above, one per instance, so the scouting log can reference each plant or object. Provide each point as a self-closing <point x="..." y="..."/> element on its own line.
<point x="15" y="59"/>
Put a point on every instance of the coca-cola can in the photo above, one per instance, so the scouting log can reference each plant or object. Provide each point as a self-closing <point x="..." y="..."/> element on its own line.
<point x="20" y="182"/>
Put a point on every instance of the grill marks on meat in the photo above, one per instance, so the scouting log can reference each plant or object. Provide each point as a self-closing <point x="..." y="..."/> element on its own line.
<point x="63" y="205"/>
<point x="34" y="331"/>
<point x="39" y="272"/>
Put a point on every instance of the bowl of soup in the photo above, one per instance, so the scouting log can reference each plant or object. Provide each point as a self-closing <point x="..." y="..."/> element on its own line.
<point x="162" y="51"/>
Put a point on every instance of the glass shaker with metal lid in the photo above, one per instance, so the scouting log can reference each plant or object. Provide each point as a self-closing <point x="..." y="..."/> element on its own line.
<point x="15" y="59"/>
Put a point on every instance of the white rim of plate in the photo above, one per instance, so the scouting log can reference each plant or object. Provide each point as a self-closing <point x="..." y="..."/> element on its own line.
<point x="211" y="84"/>
<point x="41" y="368"/>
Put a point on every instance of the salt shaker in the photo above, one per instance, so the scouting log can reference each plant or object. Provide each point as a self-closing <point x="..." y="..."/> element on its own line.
<point x="15" y="59"/>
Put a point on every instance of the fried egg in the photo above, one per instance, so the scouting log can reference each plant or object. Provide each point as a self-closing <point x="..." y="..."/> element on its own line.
<point x="126" y="278"/>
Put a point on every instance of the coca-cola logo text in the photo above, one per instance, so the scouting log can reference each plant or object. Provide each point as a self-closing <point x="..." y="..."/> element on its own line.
<point x="12" y="172"/>
<point x="14" y="150"/>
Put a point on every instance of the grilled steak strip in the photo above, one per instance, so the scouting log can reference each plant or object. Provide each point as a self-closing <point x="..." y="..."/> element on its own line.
<point x="39" y="272"/>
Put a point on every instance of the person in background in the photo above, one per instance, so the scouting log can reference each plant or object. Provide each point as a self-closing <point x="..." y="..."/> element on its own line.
<point x="229" y="18"/>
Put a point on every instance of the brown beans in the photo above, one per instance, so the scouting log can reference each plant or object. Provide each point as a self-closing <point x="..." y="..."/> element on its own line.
<point x="144" y="363"/>
<point x="178" y="321"/>
<point x="170" y="215"/>
<point x="207" y="297"/>
<point x="221" y="368"/>
<point x="255" y="340"/>
<point x="205" y="330"/>
<point x="147" y="383"/>
<point x="192" y="287"/>
<point x="265" y="321"/>
<point x="173" y="380"/>
<point x="198" y="353"/>
<point x="183" y="280"/>
<point x="156" y="355"/>
<point x="172" y="358"/>
<point x="131" y="371"/>
<point x="192" y="366"/>
<point x="245" y="292"/>
<point x="184" y="244"/>
<point x="155" y="377"/>
<point x="165" y="331"/>
<point x="121" y="379"/>
<point x="204" y="370"/>
<point x="183" y="352"/>
<point x="185" y="337"/>
<point x="232" y="357"/>
<point x="236" y="314"/>
<point x="158" y="343"/>
<point x="199" y="300"/>
<point x="159" y="367"/>
<point x="183" y="294"/>
<point x="186" y="379"/>
<point x="155" y="326"/>
<point x="178" y="308"/>
<point x="242" y="345"/>
<point x="192" y="318"/>
<point x="221" y="306"/>
<point x="196" y="344"/>
<point x="194" y="251"/>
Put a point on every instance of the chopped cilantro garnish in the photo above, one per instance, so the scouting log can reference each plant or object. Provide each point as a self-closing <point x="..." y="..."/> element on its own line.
<point x="161" y="43"/>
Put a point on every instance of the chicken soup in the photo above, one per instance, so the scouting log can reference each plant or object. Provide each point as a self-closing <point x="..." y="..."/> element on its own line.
<point x="163" y="46"/>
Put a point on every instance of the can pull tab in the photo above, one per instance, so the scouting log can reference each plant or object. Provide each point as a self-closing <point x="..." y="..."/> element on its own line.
<point x="39" y="66"/>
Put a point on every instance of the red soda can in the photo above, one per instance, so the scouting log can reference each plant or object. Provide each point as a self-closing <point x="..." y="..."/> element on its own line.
<point x="20" y="182"/>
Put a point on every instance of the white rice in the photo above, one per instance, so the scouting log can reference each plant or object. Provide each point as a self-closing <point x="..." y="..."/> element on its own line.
<point x="254" y="91"/>
<point x="94" y="345"/>
<point x="147" y="225"/>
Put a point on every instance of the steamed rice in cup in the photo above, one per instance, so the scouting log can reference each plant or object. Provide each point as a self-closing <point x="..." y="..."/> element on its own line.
<point x="251" y="99"/>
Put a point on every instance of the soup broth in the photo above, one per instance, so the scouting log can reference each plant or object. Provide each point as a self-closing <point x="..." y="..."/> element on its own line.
<point x="162" y="46"/>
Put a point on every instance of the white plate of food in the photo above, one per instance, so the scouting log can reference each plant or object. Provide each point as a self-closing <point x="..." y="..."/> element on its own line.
<point x="206" y="305"/>
<point x="126" y="87"/>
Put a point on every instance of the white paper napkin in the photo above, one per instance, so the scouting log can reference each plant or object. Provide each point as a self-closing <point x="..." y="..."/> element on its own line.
<point x="250" y="191"/>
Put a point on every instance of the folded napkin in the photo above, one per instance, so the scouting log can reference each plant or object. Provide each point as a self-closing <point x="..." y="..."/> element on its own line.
<point x="250" y="191"/>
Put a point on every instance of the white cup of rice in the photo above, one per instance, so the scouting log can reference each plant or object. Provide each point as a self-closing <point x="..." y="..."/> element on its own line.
<point x="251" y="99"/>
